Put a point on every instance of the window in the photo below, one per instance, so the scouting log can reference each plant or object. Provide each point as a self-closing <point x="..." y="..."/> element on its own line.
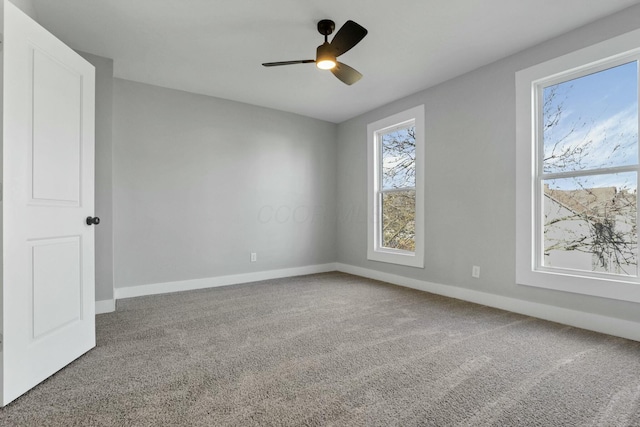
<point x="578" y="170"/>
<point x="396" y="189"/>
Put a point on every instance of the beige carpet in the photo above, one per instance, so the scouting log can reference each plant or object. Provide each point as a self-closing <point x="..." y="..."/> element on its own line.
<point x="335" y="349"/>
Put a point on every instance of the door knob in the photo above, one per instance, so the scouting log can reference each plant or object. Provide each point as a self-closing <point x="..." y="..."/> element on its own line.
<point x="93" y="220"/>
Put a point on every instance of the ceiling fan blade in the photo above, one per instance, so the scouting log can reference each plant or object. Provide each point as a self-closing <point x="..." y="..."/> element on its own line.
<point x="347" y="37"/>
<point x="346" y="74"/>
<point x="275" y="64"/>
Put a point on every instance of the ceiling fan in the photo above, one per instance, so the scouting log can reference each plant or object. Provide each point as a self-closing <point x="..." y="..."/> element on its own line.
<point x="347" y="37"/>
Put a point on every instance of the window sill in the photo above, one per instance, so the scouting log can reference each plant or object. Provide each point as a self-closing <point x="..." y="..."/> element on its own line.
<point x="409" y="259"/>
<point x="573" y="282"/>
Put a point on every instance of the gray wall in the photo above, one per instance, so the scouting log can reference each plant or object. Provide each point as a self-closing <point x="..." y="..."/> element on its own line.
<point x="470" y="178"/>
<point x="27" y="7"/>
<point x="103" y="186"/>
<point x="201" y="182"/>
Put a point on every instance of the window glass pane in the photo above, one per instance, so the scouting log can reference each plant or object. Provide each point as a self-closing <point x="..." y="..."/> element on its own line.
<point x="592" y="121"/>
<point x="399" y="220"/>
<point x="590" y="223"/>
<point x="399" y="158"/>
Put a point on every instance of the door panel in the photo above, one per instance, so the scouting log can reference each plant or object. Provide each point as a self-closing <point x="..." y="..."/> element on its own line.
<point x="48" y="159"/>
<point x="55" y="261"/>
<point x="57" y="99"/>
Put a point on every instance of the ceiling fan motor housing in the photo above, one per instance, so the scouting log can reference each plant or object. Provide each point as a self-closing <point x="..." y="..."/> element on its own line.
<point x="325" y="56"/>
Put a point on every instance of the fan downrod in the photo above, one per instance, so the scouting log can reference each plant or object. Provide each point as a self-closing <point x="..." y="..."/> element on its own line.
<point x="326" y="27"/>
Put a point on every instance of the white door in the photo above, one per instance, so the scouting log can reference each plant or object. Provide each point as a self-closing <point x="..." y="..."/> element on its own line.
<point x="48" y="173"/>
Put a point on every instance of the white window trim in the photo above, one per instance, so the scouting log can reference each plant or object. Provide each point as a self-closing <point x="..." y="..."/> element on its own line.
<point x="619" y="288"/>
<point x="375" y="251"/>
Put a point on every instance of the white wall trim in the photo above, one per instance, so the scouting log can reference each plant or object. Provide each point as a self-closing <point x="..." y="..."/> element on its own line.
<point x="213" y="282"/>
<point x="105" y="306"/>
<point x="579" y="319"/>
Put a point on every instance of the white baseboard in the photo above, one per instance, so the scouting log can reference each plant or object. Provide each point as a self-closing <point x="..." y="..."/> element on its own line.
<point x="212" y="282"/>
<point x="105" y="306"/>
<point x="579" y="319"/>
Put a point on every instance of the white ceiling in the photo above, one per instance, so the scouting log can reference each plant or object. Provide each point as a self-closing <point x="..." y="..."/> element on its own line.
<point x="216" y="47"/>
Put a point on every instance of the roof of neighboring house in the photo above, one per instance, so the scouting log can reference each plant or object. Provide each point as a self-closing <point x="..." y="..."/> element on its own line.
<point x="594" y="201"/>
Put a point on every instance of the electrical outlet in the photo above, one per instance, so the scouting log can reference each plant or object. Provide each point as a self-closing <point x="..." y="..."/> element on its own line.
<point x="475" y="272"/>
<point x="254" y="256"/>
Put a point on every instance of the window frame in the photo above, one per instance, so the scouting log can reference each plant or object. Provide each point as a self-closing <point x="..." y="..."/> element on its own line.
<point x="375" y="250"/>
<point x="530" y="270"/>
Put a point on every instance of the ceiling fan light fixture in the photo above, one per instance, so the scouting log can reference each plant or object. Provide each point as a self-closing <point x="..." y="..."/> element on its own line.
<point x="325" y="58"/>
<point x="326" y="64"/>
